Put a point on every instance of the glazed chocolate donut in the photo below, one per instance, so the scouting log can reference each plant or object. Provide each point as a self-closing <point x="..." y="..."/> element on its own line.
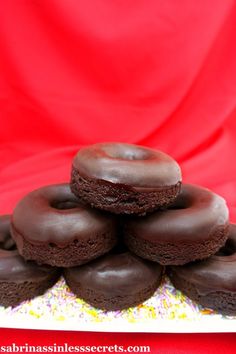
<point x="115" y="281"/>
<point x="50" y="225"/>
<point x="124" y="178"/>
<point x="212" y="282"/>
<point x="20" y="280"/>
<point x="194" y="227"/>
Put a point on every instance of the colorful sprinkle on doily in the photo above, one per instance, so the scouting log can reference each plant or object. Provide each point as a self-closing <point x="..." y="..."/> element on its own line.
<point x="61" y="305"/>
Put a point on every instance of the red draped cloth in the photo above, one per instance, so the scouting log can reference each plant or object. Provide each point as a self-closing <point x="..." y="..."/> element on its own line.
<point x="157" y="73"/>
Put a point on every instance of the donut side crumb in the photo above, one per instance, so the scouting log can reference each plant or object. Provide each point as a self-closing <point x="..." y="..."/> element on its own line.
<point x="112" y="303"/>
<point x="120" y="199"/>
<point x="221" y="301"/>
<point x="12" y="294"/>
<point x="167" y="253"/>
<point x="75" y="253"/>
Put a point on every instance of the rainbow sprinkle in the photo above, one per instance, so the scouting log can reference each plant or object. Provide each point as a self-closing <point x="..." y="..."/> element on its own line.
<point x="61" y="305"/>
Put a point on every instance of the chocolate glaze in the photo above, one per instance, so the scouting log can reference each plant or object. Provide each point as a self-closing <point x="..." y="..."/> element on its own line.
<point x="217" y="273"/>
<point x="13" y="268"/>
<point x="194" y="215"/>
<point x="126" y="164"/>
<point x="43" y="217"/>
<point x="115" y="274"/>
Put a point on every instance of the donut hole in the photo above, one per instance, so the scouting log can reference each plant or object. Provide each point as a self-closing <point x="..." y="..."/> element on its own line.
<point x="124" y="153"/>
<point x="11" y="247"/>
<point x="228" y="249"/>
<point x="8" y="244"/>
<point x="64" y="205"/>
<point x="134" y="155"/>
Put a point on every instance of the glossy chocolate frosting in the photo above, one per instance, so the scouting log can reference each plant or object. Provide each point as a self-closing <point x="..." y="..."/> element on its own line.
<point x="217" y="273"/>
<point x="193" y="216"/>
<point x="53" y="214"/>
<point x="127" y="164"/>
<point x="13" y="268"/>
<point x="115" y="274"/>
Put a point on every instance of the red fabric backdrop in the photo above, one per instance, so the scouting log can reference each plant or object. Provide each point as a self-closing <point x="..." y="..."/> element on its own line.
<point x="158" y="73"/>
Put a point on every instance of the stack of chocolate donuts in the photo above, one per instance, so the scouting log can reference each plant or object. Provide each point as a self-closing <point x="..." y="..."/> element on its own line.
<point x="125" y="219"/>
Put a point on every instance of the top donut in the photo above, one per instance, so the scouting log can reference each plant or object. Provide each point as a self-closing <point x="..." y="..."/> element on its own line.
<point x="125" y="178"/>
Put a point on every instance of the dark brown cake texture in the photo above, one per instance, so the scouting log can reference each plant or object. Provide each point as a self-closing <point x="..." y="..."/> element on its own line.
<point x="212" y="282"/>
<point x="20" y="280"/>
<point x="51" y="226"/>
<point x="54" y="226"/>
<point x="194" y="227"/>
<point x="124" y="178"/>
<point x="115" y="281"/>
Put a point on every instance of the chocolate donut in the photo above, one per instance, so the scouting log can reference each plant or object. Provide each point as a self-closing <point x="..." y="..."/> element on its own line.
<point x="50" y="225"/>
<point x="20" y="280"/>
<point x="212" y="282"/>
<point x="115" y="281"/>
<point x="194" y="227"/>
<point x="124" y="178"/>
